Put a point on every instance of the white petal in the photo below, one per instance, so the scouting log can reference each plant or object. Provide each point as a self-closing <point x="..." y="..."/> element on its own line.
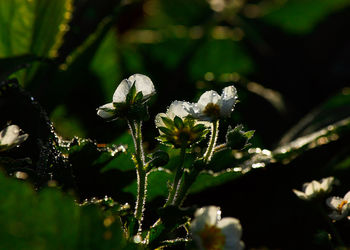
<point x="335" y="215"/>
<point x="205" y="216"/>
<point x="121" y="92"/>
<point x="178" y="108"/>
<point x="326" y="184"/>
<point x="228" y="100"/>
<point x="300" y="194"/>
<point x="143" y="83"/>
<point x="347" y="196"/>
<point x="21" y="139"/>
<point x="207" y="97"/>
<point x="232" y="230"/>
<point x="104" y="112"/>
<point x="313" y="188"/>
<point x="333" y="202"/>
<point x="9" y="135"/>
<point x="158" y="120"/>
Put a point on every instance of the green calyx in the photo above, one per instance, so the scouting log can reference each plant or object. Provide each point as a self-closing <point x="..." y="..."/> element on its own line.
<point x="181" y="132"/>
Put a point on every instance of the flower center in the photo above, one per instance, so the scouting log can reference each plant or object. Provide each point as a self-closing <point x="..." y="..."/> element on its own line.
<point x="212" y="110"/>
<point x="341" y="205"/>
<point x="212" y="238"/>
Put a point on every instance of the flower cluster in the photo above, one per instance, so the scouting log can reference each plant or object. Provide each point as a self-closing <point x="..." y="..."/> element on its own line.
<point x="211" y="232"/>
<point x="10" y="137"/>
<point x="185" y="123"/>
<point x="181" y="126"/>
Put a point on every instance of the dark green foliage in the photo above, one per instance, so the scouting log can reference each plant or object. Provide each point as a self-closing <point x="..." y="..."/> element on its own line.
<point x="289" y="61"/>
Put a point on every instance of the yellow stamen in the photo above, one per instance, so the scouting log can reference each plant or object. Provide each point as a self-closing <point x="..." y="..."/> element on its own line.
<point x="341" y="205"/>
<point x="212" y="110"/>
<point x="212" y="238"/>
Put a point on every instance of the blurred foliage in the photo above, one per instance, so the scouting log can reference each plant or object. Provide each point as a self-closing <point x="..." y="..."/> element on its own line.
<point x="289" y="60"/>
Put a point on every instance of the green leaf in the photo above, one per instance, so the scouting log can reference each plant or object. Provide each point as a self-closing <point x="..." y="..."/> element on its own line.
<point x="105" y="64"/>
<point x="301" y="16"/>
<point x="209" y="179"/>
<point x="157" y="184"/>
<point x="219" y="57"/>
<point x="52" y="220"/>
<point x="33" y="27"/>
<point x="10" y="65"/>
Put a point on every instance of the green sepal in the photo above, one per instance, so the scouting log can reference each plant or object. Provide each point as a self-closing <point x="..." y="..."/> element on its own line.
<point x="199" y="128"/>
<point x="166" y="130"/>
<point x="131" y="95"/>
<point x="168" y="122"/>
<point x="178" y="122"/>
<point x="138" y="97"/>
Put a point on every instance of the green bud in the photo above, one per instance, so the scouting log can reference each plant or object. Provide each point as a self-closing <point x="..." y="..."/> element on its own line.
<point x="237" y="138"/>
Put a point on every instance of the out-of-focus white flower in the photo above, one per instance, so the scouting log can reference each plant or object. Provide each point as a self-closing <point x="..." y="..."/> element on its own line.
<point x="177" y="128"/>
<point x="137" y="88"/>
<point x="209" y="231"/>
<point x="11" y="137"/>
<point x="340" y="206"/>
<point x="315" y="188"/>
<point x="212" y="106"/>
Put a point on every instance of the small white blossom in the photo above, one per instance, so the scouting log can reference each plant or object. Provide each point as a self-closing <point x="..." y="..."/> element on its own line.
<point x="209" y="231"/>
<point x="340" y="206"/>
<point x="177" y="128"/>
<point x="315" y="188"/>
<point x="212" y="106"/>
<point x="11" y="137"/>
<point x="176" y="108"/>
<point x="142" y="84"/>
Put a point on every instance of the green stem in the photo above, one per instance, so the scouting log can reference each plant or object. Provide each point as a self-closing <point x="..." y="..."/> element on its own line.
<point x="135" y="127"/>
<point x="184" y="186"/>
<point x="177" y="177"/>
<point x="212" y="142"/>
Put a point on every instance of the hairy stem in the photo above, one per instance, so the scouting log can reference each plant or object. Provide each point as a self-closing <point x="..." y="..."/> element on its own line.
<point x="212" y="142"/>
<point x="177" y="177"/>
<point x="184" y="186"/>
<point x="135" y="128"/>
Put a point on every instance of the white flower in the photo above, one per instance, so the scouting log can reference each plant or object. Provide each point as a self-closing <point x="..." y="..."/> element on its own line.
<point x="212" y="106"/>
<point x="209" y="231"/>
<point x="10" y="137"/>
<point x="341" y="206"/>
<point x="315" y="188"/>
<point x="176" y="108"/>
<point x="142" y="84"/>
<point x="177" y="128"/>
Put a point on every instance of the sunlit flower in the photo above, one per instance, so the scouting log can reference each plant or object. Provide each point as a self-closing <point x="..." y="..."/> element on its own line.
<point x="340" y="206"/>
<point x="212" y="106"/>
<point x="313" y="189"/>
<point x="177" y="128"/>
<point x="210" y="232"/>
<point x="10" y="137"/>
<point x="137" y="89"/>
